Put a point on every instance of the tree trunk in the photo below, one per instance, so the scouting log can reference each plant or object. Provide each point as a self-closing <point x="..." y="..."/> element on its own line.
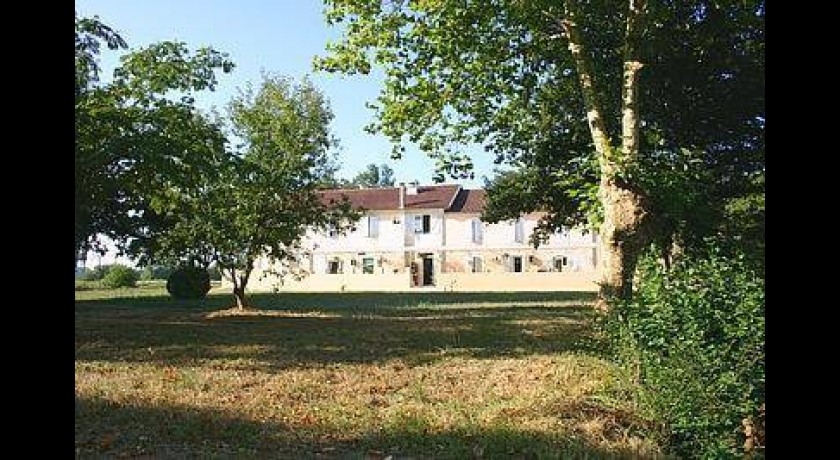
<point x="623" y="234"/>
<point x="241" y="299"/>
<point x="239" y="284"/>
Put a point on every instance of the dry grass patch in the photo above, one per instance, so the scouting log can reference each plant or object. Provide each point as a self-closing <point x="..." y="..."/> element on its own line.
<point x="361" y="377"/>
<point x="240" y="312"/>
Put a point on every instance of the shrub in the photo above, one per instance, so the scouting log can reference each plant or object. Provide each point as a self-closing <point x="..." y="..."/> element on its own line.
<point x="693" y="337"/>
<point x="95" y="274"/>
<point x="120" y="276"/>
<point x="188" y="283"/>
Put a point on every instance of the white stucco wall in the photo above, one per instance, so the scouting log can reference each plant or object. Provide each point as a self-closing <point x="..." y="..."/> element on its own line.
<point x="449" y="241"/>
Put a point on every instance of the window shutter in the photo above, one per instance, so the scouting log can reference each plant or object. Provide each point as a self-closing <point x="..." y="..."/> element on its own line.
<point x="476" y="231"/>
<point x="476" y="265"/>
<point x="373" y="226"/>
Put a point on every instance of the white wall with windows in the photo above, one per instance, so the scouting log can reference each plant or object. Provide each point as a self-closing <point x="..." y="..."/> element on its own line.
<point x="424" y="229"/>
<point x="376" y="230"/>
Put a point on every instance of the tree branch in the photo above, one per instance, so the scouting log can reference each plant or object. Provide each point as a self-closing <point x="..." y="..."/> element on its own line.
<point x="594" y="115"/>
<point x="630" y="88"/>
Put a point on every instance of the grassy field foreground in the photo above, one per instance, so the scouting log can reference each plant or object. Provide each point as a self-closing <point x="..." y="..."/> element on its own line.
<point x="432" y="375"/>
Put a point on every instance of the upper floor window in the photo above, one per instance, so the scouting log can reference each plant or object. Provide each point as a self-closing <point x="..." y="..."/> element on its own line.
<point x="477" y="231"/>
<point x="519" y="231"/>
<point x="332" y="232"/>
<point x="372" y="226"/>
<point x="422" y="223"/>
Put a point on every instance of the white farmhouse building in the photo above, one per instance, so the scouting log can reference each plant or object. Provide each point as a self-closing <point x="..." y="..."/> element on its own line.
<point x="432" y="238"/>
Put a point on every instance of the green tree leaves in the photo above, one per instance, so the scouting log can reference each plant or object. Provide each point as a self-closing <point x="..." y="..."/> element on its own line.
<point x="134" y="141"/>
<point x="500" y="74"/>
<point x="259" y="199"/>
<point x="374" y="176"/>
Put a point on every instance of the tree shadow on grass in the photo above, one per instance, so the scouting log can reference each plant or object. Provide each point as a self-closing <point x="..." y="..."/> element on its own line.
<point x="321" y="329"/>
<point x="107" y="429"/>
<point x="344" y="302"/>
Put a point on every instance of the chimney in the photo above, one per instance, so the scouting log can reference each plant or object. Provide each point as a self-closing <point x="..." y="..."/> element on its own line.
<point x="413" y="187"/>
<point x="402" y="195"/>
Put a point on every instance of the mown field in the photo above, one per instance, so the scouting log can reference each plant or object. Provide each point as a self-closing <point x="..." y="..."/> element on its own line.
<point x="429" y="375"/>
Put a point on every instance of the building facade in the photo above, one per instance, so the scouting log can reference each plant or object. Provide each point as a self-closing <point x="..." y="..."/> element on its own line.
<point x="432" y="238"/>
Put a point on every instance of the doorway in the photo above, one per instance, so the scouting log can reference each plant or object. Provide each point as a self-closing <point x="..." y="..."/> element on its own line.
<point x="428" y="271"/>
<point x="517" y="264"/>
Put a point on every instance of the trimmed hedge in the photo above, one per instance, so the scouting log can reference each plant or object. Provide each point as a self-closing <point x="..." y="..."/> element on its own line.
<point x="188" y="283"/>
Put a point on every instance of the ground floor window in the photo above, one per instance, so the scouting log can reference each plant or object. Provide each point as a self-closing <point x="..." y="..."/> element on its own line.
<point x="367" y="265"/>
<point x="334" y="267"/>
<point x="516" y="264"/>
<point x="475" y="265"/>
<point x="559" y="262"/>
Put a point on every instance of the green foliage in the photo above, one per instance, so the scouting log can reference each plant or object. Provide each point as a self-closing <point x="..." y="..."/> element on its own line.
<point x="120" y="276"/>
<point x="694" y="338"/>
<point x="96" y="273"/>
<point x="499" y="73"/>
<point x="134" y="140"/>
<point x="572" y="199"/>
<point x="188" y="283"/>
<point x="259" y="199"/>
<point x="155" y="272"/>
<point x="215" y="272"/>
<point x="374" y="176"/>
<point x="744" y="220"/>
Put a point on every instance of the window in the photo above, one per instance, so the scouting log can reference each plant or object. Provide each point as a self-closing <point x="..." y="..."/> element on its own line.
<point x="475" y="264"/>
<point x="372" y="226"/>
<point x="333" y="232"/>
<point x="477" y="232"/>
<point x="559" y="262"/>
<point x="422" y="223"/>
<point x="516" y="264"/>
<point x="334" y="267"/>
<point x="367" y="265"/>
<point x="519" y="231"/>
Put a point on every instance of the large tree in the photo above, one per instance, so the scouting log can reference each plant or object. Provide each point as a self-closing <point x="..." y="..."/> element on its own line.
<point x="261" y="197"/>
<point x="133" y="138"/>
<point x="596" y="104"/>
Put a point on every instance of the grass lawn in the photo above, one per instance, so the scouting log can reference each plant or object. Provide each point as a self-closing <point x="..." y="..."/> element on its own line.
<point x="429" y="375"/>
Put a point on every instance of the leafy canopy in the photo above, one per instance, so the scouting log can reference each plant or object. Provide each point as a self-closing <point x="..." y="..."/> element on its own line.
<point x="260" y="198"/>
<point x="134" y="138"/>
<point x="374" y="176"/>
<point x="499" y="73"/>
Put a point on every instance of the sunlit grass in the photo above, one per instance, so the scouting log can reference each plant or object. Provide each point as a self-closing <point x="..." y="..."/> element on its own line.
<point x="433" y="375"/>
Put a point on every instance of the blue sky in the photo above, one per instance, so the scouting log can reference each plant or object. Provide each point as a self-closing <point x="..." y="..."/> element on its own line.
<point x="276" y="36"/>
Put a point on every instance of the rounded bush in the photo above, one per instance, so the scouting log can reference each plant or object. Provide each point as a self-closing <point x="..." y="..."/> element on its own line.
<point x="120" y="276"/>
<point x="188" y="283"/>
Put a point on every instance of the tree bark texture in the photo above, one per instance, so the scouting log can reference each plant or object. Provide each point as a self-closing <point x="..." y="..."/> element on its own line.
<point x="623" y="233"/>
<point x="239" y="283"/>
